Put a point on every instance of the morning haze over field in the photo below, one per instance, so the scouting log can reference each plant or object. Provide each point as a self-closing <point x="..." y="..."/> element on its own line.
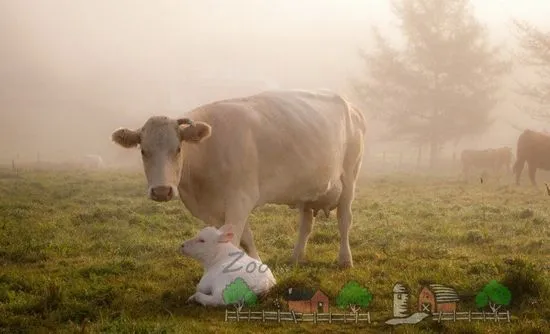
<point x="438" y="97"/>
<point x="71" y="71"/>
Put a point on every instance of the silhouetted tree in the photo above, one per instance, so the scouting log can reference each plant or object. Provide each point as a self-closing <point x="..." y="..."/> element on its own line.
<point x="442" y="84"/>
<point x="535" y="54"/>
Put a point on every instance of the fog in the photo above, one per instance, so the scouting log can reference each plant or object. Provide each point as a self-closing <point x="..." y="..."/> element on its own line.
<point x="71" y="71"/>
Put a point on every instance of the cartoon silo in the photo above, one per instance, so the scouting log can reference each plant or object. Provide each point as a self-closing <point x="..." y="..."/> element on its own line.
<point x="400" y="300"/>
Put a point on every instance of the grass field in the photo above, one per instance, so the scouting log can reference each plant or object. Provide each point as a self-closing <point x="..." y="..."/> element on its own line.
<point x="87" y="252"/>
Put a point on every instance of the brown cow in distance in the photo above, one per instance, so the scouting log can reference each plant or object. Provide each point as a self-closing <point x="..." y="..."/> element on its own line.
<point x="492" y="158"/>
<point x="534" y="148"/>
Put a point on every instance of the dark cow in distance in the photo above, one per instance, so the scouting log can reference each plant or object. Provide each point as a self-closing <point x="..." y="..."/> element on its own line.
<point x="534" y="148"/>
<point x="492" y="158"/>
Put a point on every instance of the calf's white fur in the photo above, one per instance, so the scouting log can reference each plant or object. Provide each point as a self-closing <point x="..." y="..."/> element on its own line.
<point x="212" y="248"/>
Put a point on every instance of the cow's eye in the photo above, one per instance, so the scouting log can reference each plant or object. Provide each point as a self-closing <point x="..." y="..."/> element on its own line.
<point x="178" y="150"/>
<point x="201" y="240"/>
<point x="142" y="152"/>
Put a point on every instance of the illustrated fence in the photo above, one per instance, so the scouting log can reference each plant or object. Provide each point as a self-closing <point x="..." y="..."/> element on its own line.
<point x="297" y="317"/>
<point x="454" y="316"/>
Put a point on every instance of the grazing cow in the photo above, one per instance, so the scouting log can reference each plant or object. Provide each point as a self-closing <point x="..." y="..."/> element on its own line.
<point x="534" y="148"/>
<point x="280" y="147"/>
<point x="492" y="159"/>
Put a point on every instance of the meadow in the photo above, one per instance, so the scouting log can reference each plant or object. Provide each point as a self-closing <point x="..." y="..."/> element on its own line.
<point x="86" y="251"/>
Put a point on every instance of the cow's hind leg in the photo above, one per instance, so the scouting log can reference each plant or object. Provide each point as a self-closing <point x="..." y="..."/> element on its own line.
<point x="306" y="223"/>
<point x="343" y="211"/>
<point x="532" y="172"/>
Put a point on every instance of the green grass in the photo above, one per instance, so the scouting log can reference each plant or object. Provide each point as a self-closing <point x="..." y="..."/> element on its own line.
<point x="88" y="252"/>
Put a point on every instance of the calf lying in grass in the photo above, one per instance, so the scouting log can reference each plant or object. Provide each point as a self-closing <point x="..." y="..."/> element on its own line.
<point x="223" y="262"/>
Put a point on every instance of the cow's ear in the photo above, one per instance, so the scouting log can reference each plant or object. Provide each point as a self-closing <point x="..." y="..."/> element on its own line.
<point x="126" y="138"/>
<point x="195" y="133"/>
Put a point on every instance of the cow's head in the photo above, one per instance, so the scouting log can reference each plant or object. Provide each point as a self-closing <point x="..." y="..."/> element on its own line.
<point x="161" y="141"/>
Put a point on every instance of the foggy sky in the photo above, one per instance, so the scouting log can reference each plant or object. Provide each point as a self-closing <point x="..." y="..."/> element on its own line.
<point x="78" y="69"/>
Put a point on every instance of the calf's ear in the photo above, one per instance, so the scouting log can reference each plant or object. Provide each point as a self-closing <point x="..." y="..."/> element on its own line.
<point x="195" y="132"/>
<point x="226" y="233"/>
<point x="126" y="138"/>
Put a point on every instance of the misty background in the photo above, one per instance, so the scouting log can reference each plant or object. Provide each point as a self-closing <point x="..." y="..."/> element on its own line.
<point x="72" y="71"/>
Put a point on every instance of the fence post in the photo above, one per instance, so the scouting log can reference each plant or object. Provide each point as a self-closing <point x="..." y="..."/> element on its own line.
<point x="344" y="317"/>
<point x="225" y="315"/>
<point x="248" y="315"/>
<point x="439" y="318"/>
<point x="263" y="315"/>
<point x="496" y="315"/>
<point x="368" y="317"/>
<point x="483" y="313"/>
<point x="469" y="316"/>
<point x="330" y="317"/>
<point x="294" y="317"/>
<point x="454" y="315"/>
<point x="356" y="316"/>
<point x="278" y="315"/>
<point x="238" y="311"/>
<point x="314" y="317"/>
<point x="508" y="315"/>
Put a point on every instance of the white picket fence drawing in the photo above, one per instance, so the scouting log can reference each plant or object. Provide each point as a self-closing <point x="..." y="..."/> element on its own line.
<point x="297" y="317"/>
<point x="484" y="316"/>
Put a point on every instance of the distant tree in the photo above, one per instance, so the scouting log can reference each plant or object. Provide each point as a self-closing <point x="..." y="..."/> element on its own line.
<point x="534" y="53"/>
<point x="442" y="84"/>
<point x="353" y="296"/>
<point x="239" y="294"/>
<point x="495" y="295"/>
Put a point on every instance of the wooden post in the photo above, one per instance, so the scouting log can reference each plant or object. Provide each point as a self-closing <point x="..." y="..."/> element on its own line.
<point x="314" y="317"/>
<point x="294" y="316"/>
<point x="248" y="315"/>
<point x="237" y="314"/>
<point x="225" y="315"/>
<point x="368" y="317"/>
<point x="454" y="315"/>
<point x="496" y="315"/>
<point x="508" y="315"/>
<point x="439" y="318"/>
<point x="483" y="313"/>
<point x="344" y="317"/>
<point x="263" y="315"/>
<point x="469" y="316"/>
<point x="356" y="317"/>
<point x="278" y="315"/>
<point x="330" y="317"/>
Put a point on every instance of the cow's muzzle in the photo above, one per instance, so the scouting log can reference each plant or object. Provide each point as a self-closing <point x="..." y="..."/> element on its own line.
<point x="161" y="193"/>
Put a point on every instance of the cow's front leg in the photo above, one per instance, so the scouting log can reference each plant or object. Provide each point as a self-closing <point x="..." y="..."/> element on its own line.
<point x="305" y="221"/>
<point x="236" y="214"/>
<point x="247" y="242"/>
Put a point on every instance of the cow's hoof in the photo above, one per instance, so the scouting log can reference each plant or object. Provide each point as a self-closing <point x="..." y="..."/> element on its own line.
<point x="345" y="264"/>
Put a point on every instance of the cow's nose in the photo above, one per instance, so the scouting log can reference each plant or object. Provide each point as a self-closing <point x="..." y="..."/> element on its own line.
<point x="162" y="193"/>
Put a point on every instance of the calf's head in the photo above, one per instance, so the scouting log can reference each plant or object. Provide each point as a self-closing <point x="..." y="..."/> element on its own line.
<point x="161" y="141"/>
<point x="208" y="244"/>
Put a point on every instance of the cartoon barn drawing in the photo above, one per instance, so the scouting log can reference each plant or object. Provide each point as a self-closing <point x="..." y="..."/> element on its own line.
<point x="400" y="300"/>
<point x="307" y="301"/>
<point x="435" y="298"/>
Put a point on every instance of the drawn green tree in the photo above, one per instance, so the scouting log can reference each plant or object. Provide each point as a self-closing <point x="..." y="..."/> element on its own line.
<point x="354" y="296"/>
<point x="238" y="293"/>
<point x="495" y="295"/>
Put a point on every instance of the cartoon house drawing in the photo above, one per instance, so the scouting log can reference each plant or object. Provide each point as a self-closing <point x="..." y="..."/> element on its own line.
<point x="435" y="298"/>
<point x="307" y="301"/>
<point x="400" y="300"/>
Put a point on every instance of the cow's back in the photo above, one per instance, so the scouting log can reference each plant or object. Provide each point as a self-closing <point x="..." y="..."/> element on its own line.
<point x="286" y="146"/>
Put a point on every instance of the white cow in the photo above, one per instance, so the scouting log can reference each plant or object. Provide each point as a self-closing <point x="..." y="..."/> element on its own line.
<point x="228" y="157"/>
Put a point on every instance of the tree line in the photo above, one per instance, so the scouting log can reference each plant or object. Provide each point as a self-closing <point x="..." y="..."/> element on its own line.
<point x="446" y="80"/>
